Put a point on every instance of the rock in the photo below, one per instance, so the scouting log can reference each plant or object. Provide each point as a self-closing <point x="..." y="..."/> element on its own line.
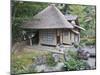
<point x="33" y="59"/>
<point x="92" y="55"/>
<point x="40" y="68"/>
<point x="45" y="68"/>
<point x="83" y="54"/>
<point x="56" y="57"/>
<point x="40" y="60"/>
<point x="92" y="62"/>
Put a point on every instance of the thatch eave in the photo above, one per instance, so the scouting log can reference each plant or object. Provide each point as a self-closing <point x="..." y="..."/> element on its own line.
<point x="49" y="18"/>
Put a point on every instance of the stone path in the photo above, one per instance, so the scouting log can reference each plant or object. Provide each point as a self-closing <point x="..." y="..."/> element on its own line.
<point x="92" y="63"/>
<point x="90" y="49"/>
<point x="46" y="68"/>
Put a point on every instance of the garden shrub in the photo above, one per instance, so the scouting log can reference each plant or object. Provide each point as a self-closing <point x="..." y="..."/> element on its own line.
<point x="72" y="54"/>
<point x="90" y="42"/>
<point x="50" y="60"/>
<point x="19" y="68"/>
<point x="76" y="45"/>
<point x="73" y="64"/>
<point x="87" y="41"/>
<point x="20" y="63"/>
<point x="30" y="69"/>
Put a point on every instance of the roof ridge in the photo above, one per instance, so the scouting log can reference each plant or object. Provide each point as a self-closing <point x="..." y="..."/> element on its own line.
<point x="50" y="17"/>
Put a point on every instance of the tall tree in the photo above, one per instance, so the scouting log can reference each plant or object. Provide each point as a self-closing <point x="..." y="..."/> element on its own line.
<point x="86" y="15"/>
<point x="23" y="11"/>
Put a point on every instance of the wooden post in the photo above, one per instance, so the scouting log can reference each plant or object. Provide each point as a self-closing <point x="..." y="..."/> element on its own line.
<point x="65" y="57"/>
<point x="30" y="42"/>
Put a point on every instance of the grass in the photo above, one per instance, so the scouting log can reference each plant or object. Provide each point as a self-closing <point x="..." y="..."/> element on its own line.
<point x="20" y="61"/>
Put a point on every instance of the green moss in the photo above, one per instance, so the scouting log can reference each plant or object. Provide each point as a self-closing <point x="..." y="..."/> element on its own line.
<point x="20" y="61"/>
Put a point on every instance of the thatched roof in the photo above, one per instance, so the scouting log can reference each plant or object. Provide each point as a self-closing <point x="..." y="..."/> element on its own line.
<point x="49" y="18"/>
<point x="71" y="17"/>
<point x="76" y="32"/>
<point x="79" y="27"/>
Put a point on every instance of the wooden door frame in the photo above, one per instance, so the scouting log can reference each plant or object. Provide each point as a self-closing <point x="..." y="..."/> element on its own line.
<point x="60" y="36"/>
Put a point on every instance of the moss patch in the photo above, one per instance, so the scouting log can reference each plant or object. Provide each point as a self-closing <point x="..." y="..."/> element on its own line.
<point x="21" y="60"/>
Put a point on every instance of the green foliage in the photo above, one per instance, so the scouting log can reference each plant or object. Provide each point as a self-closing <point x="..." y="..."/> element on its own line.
<point x="21" y="62"/>
<point x="72" y="54"/>
<point x="26" y="9"/>
<point x="86" y="16"/>
<point x="19" y="68"/>
<point x="77" y="45"/>
<point x="86" y="41"/>
<point x="72" y="65"/>
<point x="16" y="30"/>
<point x="90" y="42"/>
<point x="30" y="69"/>
<point x="50" y="60"/>
<point x="21" y="12"/>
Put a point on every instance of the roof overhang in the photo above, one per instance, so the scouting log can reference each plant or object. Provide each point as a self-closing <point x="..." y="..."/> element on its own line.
<point x="71" y="17"/>
<point x="76" y="32"/>
<point x="78" y="27"/>
<point x="49" y="18"/>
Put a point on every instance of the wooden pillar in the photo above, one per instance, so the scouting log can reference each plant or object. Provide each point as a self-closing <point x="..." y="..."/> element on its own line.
<point x="30" y="42"/>
<point x="61" y="36"/>
<point x="79" y="38"/>
<point x="39" y="43"/>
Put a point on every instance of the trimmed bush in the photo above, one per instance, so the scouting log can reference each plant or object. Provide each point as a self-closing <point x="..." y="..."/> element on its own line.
<point x="72" y="54"/>
<point x="73" y="64"/>
<point x="50" y="60"/>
